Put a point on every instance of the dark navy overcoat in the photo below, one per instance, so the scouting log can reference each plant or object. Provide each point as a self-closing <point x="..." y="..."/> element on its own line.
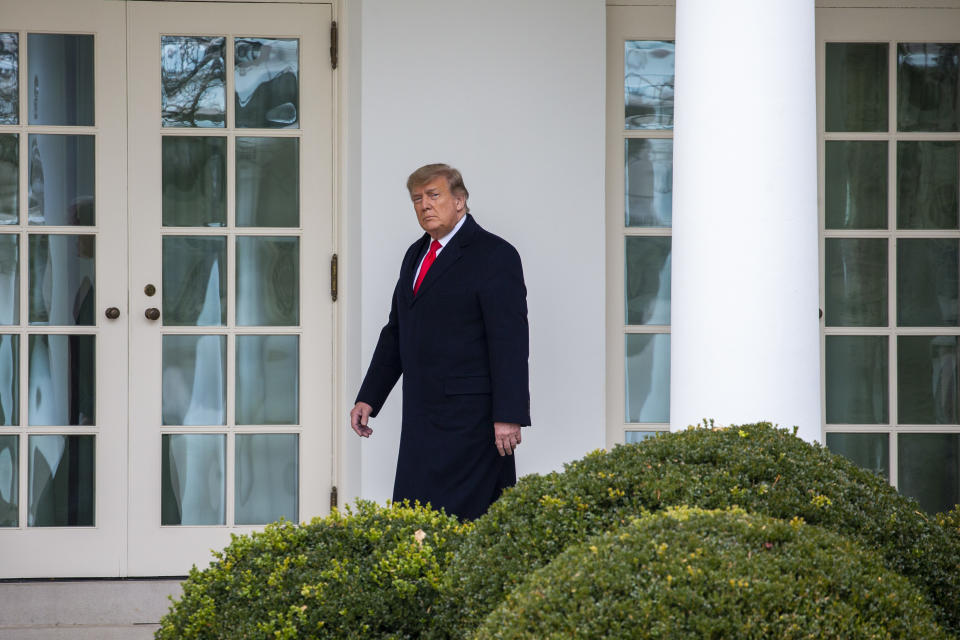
<point x="461" y="344"/>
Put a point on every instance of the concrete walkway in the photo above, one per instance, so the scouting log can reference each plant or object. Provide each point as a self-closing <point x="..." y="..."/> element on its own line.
<point x="84" y="609"/>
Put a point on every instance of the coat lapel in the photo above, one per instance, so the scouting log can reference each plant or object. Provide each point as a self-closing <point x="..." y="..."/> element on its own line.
<point x="450" y="254"/>
<point x="409" y="267"/>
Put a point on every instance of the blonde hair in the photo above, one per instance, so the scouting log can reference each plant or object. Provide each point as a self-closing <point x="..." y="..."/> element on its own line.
<point x="428" y="172"/>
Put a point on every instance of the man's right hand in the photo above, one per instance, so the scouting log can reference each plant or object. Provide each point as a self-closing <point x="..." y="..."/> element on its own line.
<point x="359" y="417"/>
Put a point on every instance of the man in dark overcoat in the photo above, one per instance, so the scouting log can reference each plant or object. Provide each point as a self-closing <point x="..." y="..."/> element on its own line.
<point x="458" y="334"/>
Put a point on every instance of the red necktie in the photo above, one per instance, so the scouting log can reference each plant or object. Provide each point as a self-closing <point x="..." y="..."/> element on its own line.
<point x="427" y="261"/>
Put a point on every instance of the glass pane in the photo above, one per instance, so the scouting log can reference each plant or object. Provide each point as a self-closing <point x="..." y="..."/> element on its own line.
<point x="648" y="280"/>
<point x="857" y="369"/>
<point x="268" y="379"/>
<point x="9" y="481"/>
<point x="194" y="181"/>
<point x="9" y="178"/>
<point x="268" y="92"/>
<point x="856" y="86"/>
<point x="9" y="72"/>
<point x="648" y="84"/>
<point x="194" y="281"/>
<point x="193" y="480"/>
<point x="9" y="279"/>
<point x="193" y="74"/>
<point x="868" y="450"/>
<point x="194" y="380"/>
<point x="929" y="469"/>
<point x="9" y="380"/>
<point x="649" y="182"/>
<point x="266" y="483"/>
<point x="927" y="282"/>
<point x="648" y="377"/>
<point x="62" y="380"/>
<point x="62" y="279"/>
<point x="268" y="281"/>
<point x="268" y="182"/>
<point x="928" y="87"/>
<point x="928" y="183"/>
<point x="927" y="379"/>
<point x="856" y="185"/>
<point x="631" y="437"/>
<point x="61" y="174"/>
<point x="61" y="79"/>
<point x="61" y="481"/>
<point x="855" y="287"/>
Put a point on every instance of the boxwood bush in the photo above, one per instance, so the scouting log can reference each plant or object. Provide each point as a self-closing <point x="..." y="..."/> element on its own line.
<point x="689" y="573"/>
<point x="370" y="572"/>
<point x="760" y="468"/>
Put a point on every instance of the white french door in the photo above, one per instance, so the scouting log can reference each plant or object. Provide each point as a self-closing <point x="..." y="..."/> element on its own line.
<point x="63" y="378"/>
<point x="165" y="349"/>
<point x="230" y="213"/>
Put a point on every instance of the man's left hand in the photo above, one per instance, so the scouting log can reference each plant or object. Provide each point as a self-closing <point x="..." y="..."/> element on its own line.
<point x="506" y="436"/>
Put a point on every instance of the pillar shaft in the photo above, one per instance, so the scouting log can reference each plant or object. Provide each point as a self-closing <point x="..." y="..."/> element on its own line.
<point x="745" y="342"/>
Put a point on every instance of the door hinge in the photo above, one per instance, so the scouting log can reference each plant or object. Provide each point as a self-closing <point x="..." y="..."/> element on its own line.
<point x="333" y="44"/>
<point x="333" y="498"/>
<point x="333" y="277"/>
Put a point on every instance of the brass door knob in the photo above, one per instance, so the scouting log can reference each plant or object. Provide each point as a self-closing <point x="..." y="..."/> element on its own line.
<point x="112" y="313"/>
<point x="152" y="313"/>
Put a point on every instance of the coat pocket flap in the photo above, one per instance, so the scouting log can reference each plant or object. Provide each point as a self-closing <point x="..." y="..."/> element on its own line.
<point x="466" y="384"/>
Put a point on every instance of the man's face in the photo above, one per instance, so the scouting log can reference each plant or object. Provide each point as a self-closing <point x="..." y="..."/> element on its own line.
<point x="438" y="210"/>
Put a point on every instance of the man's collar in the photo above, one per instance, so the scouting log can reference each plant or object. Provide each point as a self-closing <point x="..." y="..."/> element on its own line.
<point x="445" y="239"/>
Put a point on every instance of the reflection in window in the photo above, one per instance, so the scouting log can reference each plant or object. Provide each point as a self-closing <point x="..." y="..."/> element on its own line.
<point x="647" y="279"/>
<point x="193" y="479"/>
<point x="9" y="178"/>
<point x="648" y="84"/>
<point x="9" y="380"/>
<point x="928" y="86"/>
<point x="9" y="480"/>
<point x="9" y="279"/>
<point x="868" y="450"/>
<point x="267" y="87"/>
<point x="648" y="377"/>
<point x="266" y="484"/>
<point x="192" y="78"/>
<point x="649" y="182"/>
<point x="928" y="374"/>
<point x="62" y="276"/>
<point x="856" y="86"/>
<point x="62" y="171"/>
<point x="62" y="380"/>
<point x="856" y="379"/>
<point x="61" y="481"/>
<point x="9" y="70"/>
<point x="194" y="181"/>
<point x="929" y="469"/>
<point x="194" y="380"/>
<point x="61" y="79"/>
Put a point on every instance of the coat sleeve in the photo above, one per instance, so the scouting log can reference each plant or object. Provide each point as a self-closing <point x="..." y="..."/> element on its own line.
<point x="385" y="366"/>
<point x="503" y="303"/>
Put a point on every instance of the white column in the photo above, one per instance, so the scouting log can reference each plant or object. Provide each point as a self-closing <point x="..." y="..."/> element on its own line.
<point x="745" y="332"/>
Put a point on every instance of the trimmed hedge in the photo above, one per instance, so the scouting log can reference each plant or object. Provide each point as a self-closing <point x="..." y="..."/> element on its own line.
<point x="760" y="468"/>
<point x="371" y="572"/>
<point x="689" y="573"/>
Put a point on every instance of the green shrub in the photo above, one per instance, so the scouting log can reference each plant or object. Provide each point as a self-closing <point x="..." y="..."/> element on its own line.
<point x="688" y="573"/>
<point x="757" y="467"/>
<point x="371" y="572"/>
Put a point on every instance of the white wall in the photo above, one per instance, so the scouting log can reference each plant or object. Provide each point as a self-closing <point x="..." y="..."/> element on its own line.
<point x="511" y="93"/>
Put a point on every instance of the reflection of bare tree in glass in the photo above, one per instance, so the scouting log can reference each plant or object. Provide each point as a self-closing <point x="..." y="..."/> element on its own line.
<point x="193" y="72"/>
<point x="9" y="50"/>
<point x="648" y="84"/>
